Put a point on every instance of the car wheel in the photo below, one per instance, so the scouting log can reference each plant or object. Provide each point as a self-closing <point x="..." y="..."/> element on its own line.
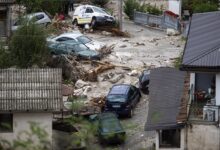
<point x="93" y="22"/>
<point x="75" y="22"/>
<point x="130" y="113"/>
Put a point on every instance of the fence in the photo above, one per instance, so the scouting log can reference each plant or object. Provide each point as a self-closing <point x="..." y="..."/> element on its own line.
<point x="164" y="21"/>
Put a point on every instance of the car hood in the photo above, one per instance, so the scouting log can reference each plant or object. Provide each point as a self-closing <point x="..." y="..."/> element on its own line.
<point x="95" y="45"/>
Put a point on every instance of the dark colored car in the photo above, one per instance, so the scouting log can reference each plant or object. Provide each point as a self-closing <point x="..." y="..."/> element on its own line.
<point x="74" y="48"/>
<point x="144" y="81"/>
<point x="122" y="99"/>
<point x="110" y="130"/>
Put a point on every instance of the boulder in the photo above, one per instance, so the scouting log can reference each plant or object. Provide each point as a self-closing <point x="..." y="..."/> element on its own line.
<point x="172" y="32"/>
<point x="80" y="84"/>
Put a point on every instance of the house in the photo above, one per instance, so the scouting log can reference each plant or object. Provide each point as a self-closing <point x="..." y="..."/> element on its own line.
<point x="5" y="17"/>
<point x="167" y="114"/>
<point x="201" y="58"/>
<point x="28" y="95"/>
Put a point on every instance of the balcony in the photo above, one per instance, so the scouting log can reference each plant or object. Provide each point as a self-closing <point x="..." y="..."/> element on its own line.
<point x="7" y="1"/>
<point x="203" y="108"/>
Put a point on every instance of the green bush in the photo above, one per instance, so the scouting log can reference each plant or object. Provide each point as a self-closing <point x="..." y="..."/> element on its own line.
<point x="101" y="3"/>
<point x="28" y="46"/>
<point x="130" y="6"/>
<point x="147" y="8"/>
<point x="5" y="59"/>
<point x="205" y="7"/>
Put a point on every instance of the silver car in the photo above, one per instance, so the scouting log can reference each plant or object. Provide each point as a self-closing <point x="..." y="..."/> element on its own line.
<point x="39" y="18"/>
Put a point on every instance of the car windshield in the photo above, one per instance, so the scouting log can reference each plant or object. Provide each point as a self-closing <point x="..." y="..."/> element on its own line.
<point x="111" y="125"/>
<point x="99" y="10"/>
<point x="80" y="47"/>
<point x="83" y="39"/>
<point x="116" y="98"/>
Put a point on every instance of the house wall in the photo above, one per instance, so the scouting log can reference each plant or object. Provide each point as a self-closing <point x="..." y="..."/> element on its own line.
<point x="21" y="123"/>
<point x="203" y="137"/>
<point x="217" y="89"/>
<point x="175" y="6"/>
<point x="182" y="141"/>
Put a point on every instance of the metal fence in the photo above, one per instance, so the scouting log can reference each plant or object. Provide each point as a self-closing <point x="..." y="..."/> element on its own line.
<point x="163" y="21"/>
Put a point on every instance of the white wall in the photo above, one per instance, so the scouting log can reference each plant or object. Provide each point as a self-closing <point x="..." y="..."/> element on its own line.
<point x="182" y="141"/>
<point x="217" y="89"/>
<point x="203" y="137"/>
<point x="21" y="123"/>
<point x="175" y="6"/>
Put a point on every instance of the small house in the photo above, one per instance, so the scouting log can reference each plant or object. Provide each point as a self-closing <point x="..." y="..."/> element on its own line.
<point x="167" y="114"/>
<point x="201" y="58"/>
<point x="5" y="17"/>
<point x="28" y="96"/>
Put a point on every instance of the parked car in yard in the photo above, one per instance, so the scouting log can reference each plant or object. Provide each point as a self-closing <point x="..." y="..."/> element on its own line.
<point x="110" y="130"/>
<point x="144" y="81"/>
<point x="38" y="18"/>
<point x="122" y="99"/>
<point x="74" y="48"/>
<point x="88" y="14"/>
<point x="92" y="44"/>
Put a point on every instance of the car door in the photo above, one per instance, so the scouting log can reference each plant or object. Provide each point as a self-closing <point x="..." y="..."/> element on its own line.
<point x="87" y="16"/>
<point x="61" y="49"/>
<point x="131" y="97"/>
<point x="135" y="95"/>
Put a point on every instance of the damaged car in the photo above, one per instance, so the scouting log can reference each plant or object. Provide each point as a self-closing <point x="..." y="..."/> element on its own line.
<point x="79" y="50"/>
<point x="88" y="14"/>
<point x="72" y="36"/>
<point x="110" y="130"/>
<point x="122" y="99"/>
<point x="144" y="81"/>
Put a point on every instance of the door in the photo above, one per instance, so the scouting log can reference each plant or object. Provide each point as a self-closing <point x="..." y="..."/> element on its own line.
<point x="3" y="23"/>
<point x="86" y="15"/>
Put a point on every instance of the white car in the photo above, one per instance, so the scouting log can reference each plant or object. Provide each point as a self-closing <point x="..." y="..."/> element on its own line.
<point x="88" y="14"/>
<point x="39" y="18"/>
<point x="91" y="44"/>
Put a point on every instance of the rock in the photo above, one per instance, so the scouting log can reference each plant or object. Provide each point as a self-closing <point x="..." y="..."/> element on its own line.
<point x="125" y="40"/>
<point x="123" y="46"/>
<point x="106" y="33"/>
<point x="78" y="92"/>
<point x="86" y="89"/>
<point x="139" y="44"/>
<point x="80" y="84"/>
<point x="172" y="32"/>
<point x="116" y="78"/>
<point x="157" y="56"/>
<point x="133" y="73"/>
<point x="171" y="43"/>
<point x="177" y="45"/>
<point x="156" y="44"/>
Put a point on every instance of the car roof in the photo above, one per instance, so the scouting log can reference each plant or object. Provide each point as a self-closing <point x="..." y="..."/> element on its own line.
<point x="35" y="14"/>
<point x="71" y="34"/>
<point x="119" y="89"/>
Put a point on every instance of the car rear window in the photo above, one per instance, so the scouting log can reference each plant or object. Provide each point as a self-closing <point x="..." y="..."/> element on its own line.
<point x="83" y="39"/>
<point x="110" y="125"/>
<point x="116" y="98"/>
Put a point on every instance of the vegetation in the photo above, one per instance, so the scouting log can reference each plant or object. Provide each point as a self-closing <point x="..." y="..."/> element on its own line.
<point x="28" y="46"/>
<point x="178" y="61"/>
<point x="101" y="3"/>
<point x="50" y="6"/>
<point x="5" y="59"/>
<point x="199" y="6"/>
<point x="35" y="139"/>
<point x="131" y="5"/>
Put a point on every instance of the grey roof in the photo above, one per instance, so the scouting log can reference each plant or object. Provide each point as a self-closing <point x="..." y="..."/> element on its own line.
<point x="30" y="90"/>
<point x="202" y="49"/>
<point x="166" y="91"/>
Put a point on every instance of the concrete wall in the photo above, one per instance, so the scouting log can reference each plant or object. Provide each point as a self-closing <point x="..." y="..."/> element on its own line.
<point x="203" y="137"/>
<point x="21" y="123"/>
<point x="217" y="89"/>
<point x="182" y="141"/>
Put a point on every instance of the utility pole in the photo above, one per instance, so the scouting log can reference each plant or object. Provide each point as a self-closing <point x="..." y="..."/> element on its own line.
<point x="120" y="9"/>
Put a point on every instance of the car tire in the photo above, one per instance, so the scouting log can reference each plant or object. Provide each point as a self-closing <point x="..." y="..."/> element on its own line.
<point x="93" y="22"/>
<point x="75" y="22"/>
<point x="130" y="113"/>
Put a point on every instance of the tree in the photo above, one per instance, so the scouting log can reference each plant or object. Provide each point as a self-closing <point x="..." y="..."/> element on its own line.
<point x="28" y="45"/>
<point x="130" y="6"/>
<point x="101" y="3"/>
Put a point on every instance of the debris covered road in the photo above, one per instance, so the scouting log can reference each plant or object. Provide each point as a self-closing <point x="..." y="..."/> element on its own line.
<point x="145" y="48"/>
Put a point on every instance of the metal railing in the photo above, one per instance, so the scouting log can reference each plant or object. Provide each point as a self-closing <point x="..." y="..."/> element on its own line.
<point x="163" y="21"/>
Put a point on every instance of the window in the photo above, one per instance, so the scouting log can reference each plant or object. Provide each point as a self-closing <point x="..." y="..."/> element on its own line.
<point x="89" y="10"/>
<point x="39" y="17"/>
<point x="64" y="39"/>
<point x="6" y="122"/>
<point x="83" y="39"/>
<point x="169" y="138"/>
